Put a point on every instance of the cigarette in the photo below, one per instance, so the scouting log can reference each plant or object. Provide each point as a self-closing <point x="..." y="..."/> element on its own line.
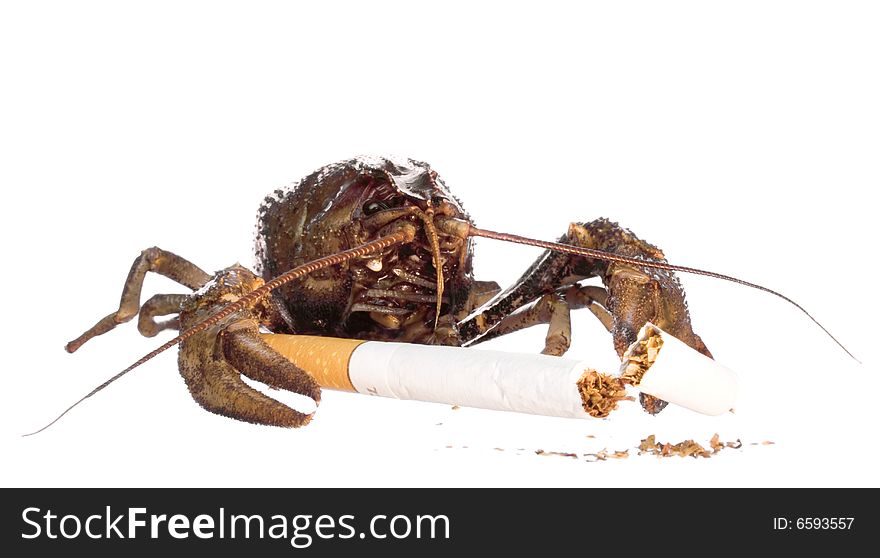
<point x="522" y="383"/>
<point x="503" y="381"/>
<point x="663" y="366"/>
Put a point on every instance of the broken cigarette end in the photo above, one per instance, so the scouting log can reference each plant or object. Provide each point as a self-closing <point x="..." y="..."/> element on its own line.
<point x="600" y="393"/>
<point x="664" y="368"/>
<point x="640" y="356"/>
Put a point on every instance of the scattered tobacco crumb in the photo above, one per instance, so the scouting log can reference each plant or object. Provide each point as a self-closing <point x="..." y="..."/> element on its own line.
<point x="718" y="445"/>
<point x="559" y="453"/>
<point x="600" y="393"/>
<point x="650" y="446"/>
<point x="456" y="407"/>
<point x="687" y="448"/>
<point x="604" y="455"/>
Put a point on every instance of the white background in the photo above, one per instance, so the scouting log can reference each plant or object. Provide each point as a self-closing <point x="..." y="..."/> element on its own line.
<point x="740" y="137"/>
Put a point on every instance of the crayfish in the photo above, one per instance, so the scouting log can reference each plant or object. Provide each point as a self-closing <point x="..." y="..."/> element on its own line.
<point x="379" y="249"/>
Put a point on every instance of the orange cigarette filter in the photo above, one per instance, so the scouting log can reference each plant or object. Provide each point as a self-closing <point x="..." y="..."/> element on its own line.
<point x="325" y="358"/>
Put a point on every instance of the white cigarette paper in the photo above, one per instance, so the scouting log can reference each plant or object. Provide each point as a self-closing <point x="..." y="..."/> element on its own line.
<point x="686" y="377"/>
<point x="523" y="383"/>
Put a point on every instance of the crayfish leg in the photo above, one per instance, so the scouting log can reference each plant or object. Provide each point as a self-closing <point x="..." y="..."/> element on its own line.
<point x="153" y="260"/>
<point x="159" y="305"/>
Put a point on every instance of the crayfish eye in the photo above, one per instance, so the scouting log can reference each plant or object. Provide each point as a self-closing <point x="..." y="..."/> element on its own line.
<point x="372" y="207"/>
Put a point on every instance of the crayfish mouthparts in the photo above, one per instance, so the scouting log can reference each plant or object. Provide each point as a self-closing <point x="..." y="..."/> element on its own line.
<point x="435" y="221"/>
<point x="400" y="281"/>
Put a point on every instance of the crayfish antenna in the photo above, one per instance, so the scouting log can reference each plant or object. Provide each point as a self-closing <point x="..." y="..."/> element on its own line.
<point x="612" y="257"/>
